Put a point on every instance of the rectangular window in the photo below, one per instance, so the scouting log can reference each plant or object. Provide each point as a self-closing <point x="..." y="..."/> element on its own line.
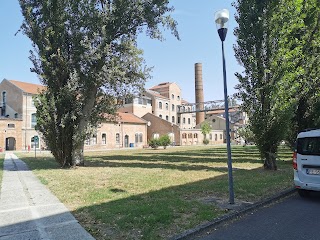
<point x="220" y="136"/>
<point x="308" y="146"/>
<point x="33" y="120"/>
<point x="11" y="125"/>
<point x="118" y="138"/>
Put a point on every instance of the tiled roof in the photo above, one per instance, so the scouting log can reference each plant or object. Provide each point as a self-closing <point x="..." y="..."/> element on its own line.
<point x="28" y="87"/>
<point x="156" y="94"/>
<point x="160" y="85"/>
<point x="130" y="118"/>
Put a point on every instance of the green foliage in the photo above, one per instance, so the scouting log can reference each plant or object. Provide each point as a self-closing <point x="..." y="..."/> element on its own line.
<point x="254" y="51"/>
<point x="205" y="141"/>
<point x="205" y="129"/>
<point x="296" y="63"/>
<point x="154" y="143"/>
<point x="246" y="134"/>
<point x="85" y="53"/>
<point x="165" y="141"/>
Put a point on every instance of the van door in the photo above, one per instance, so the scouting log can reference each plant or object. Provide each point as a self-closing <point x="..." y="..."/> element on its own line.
<point x="308" y="159"/>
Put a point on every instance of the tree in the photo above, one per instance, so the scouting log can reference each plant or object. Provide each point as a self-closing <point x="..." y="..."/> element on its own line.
<point x="296" y="63"/>
<point x="246" y="134"/>
<point x="85" y="53"/>
<point x="254" y="51"/>
<point x="205" y="129"/>
<point x="164" y="141"/>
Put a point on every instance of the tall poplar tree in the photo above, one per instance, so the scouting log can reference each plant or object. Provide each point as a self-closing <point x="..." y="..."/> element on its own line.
<point x="254" y="50"/>
<point x="85" y="53"/>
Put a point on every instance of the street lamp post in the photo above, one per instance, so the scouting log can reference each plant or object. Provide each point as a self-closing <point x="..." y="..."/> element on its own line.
<point x="221" y="19"/>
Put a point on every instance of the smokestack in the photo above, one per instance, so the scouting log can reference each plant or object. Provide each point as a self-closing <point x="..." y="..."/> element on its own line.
<point x="199" y="93"/>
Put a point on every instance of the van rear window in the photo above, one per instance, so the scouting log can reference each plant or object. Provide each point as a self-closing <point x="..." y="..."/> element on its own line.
<point x="308" y="146"/>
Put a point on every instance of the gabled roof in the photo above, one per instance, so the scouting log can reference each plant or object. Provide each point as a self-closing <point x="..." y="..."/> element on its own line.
<point x="28" y="87"/>
<point x="130" y="118"/>
<point x="160" y="85"/>
<point x="155" y="94"/>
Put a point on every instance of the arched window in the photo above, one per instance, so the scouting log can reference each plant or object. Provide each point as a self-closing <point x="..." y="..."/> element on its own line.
<point x="189" y="122"/>
<point x="184" y="120"/>
<point x="94" y="139"/>
<point x="136" y="138"/>
<point x="155" y="135"/>
<point x="104" y="138"/>
<point x="173" y="107"/>
<point x="140" y="137"/>
<point x="172" y="96"/>
<point x="195" y="135"/>
<point x="190" y="135"/>
<point x="184" y="135"/>
<point x="173" y="120"/>
<point x="167" y="118"/>
<point x="160" y="116"/>
<point x="167" y="106"/>
<point x="178" y="98"/>
<point x="160" y="105"/>
<point x="210" y="136"/>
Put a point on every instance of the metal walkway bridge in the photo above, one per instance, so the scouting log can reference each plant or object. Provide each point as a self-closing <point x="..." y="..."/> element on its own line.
<point x="204" y="106"/>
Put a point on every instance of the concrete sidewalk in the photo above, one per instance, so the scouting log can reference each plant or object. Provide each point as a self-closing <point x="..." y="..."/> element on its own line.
<point x="28" y="210"/>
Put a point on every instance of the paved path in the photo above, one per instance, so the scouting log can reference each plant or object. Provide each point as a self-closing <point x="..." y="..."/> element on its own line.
<point x="294" y="218"/>
<point x="28" y="210"/>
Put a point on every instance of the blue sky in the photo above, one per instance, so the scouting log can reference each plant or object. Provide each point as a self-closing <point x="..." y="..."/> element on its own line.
<point x="173" y="60"/>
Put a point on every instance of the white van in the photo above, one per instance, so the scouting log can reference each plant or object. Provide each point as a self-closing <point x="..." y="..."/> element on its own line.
<point x="306" y="162"/>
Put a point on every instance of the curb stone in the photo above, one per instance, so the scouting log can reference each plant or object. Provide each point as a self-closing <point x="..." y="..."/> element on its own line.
<point x="228" y="217"/>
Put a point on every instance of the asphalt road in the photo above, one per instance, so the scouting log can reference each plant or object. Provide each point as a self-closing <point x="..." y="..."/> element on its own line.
<point x="293" y="218"/>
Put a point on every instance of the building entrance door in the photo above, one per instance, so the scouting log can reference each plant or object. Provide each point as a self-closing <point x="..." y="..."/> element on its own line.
<point x="10" y="143"/>
<point x="126" y="141"/>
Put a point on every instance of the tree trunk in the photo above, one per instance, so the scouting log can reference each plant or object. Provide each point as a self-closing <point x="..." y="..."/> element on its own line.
<point x="270" y="161"/>
<point x="78" y="158"/>
<point x="77" y="155"/>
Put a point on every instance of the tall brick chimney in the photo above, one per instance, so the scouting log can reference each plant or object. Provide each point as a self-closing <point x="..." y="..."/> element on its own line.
<point x="199" y="92"/>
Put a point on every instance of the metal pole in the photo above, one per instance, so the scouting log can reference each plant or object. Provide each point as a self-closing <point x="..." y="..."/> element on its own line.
<point x="226" y="109"/>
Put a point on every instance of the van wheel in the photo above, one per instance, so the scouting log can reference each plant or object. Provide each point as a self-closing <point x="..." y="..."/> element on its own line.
<point x="303" y="193"/>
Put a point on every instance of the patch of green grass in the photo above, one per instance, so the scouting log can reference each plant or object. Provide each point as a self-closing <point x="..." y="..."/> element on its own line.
<point x="154" y="194"/>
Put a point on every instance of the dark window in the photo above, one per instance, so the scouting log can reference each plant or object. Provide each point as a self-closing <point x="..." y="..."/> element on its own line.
<point x="172" y="119"/>
<point x="11" y="125"/>
<point x="308" y="146"/>
<point x="178" y="120"/>
<point x="172" y="107"/>
<point x="118" y="138"/>
<point x="160" y="105"/>
<point x="104" y="138"/>
<point x="189" y="121"/>
<point x="167" y="106"/>
<point x="140" y="137"/>
<point x="167" y="118"/>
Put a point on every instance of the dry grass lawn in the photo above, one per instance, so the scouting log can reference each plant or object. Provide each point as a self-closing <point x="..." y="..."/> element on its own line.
<point x="155" y="194"/>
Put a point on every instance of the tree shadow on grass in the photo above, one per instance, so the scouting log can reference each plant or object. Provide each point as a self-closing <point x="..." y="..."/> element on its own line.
<point x="169" y="211"/>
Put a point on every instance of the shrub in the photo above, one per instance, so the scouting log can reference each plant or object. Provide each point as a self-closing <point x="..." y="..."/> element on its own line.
<point x="154" y="143"/>
<point x="164" y="141"/>
<point x="205" y="141"/>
